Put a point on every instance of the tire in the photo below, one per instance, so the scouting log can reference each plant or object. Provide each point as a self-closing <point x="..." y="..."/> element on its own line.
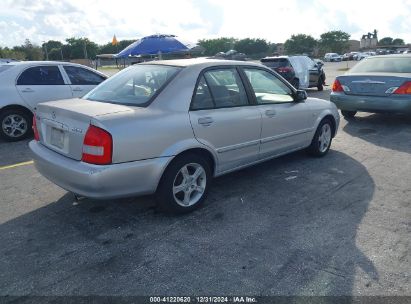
<point x="296" y="83"/>
<point x="188" y="198"/>
<point x="348" y="114"/>
<point x="321" y="143"/>
<point x="320" y="85"/>
<point x="15" y="124"/>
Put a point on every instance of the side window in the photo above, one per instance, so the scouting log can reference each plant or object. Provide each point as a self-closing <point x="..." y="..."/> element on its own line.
<point x="226" y="88"/>
<point x="41" y="75"/>
<point x="202" y="98"/>
<point x="267" y="87"/>
<point x="80" y="76"/>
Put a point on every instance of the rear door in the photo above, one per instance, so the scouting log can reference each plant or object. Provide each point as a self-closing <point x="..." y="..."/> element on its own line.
<point x="223" y="119"/>
<point x="42" y="83"/>
<point x="286" y="124"/>
<point x="82" y="80"/>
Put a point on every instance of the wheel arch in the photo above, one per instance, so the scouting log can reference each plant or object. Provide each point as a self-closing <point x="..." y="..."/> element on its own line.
<point x="17" y="107"/>
<point x="330" y="116"/>
<point x="333" y="123"/>
<point x="206" y="153"/>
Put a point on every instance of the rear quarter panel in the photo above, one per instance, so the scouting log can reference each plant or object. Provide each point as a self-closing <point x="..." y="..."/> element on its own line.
<point x="8" y="90"/>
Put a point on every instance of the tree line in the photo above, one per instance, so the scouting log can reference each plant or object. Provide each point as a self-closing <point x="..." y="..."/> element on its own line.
<point x="75" y="48"/>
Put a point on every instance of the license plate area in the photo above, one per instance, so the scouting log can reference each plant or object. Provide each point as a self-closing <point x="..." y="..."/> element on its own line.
<point x="57" y="138"/>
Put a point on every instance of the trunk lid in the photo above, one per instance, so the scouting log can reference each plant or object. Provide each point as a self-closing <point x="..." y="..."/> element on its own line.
<point x="371" y="84"/>
<point x="63" y="124"/>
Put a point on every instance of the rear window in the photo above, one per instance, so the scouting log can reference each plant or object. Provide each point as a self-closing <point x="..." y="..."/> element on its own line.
<point x="134" y="86"/>
<point x="276" y="63"/>
<point x="383" y="65"/>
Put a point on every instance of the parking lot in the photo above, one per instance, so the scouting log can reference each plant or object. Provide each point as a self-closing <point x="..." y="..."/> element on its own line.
<point x="296" y="225"/>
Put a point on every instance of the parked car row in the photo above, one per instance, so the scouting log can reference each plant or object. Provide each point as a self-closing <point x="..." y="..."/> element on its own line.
<point x="168" y="127"/>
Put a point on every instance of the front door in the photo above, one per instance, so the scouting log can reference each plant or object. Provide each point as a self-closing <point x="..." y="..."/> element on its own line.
<point x="285" y="123"/>
<point x="223" y="119"/>
<point x="82" y="80"/>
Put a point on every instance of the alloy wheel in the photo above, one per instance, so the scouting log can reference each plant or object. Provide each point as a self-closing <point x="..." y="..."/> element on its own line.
<point x="14" y="125"/>
<point x="189" y="184"/>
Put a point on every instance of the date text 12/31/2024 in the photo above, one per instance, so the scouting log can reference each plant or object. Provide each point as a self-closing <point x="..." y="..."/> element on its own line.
<point x="205" y="299"/>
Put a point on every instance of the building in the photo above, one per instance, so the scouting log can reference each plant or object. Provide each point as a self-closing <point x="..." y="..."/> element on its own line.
<point x="369" y="41"/>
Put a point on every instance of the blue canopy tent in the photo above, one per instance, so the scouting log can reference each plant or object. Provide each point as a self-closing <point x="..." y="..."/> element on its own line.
<point x="155" y="45"/>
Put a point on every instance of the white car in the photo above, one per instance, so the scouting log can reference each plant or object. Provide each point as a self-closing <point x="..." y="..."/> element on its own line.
<point x="25" y="84"/>
<point x="363" y="55"/>
<point x="332" y="57"/>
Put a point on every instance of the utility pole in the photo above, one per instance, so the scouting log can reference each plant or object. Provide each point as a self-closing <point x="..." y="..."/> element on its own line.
<point x="45" y="47"/>
<point x="85" y="50"/>
<point x="61" y="53"/>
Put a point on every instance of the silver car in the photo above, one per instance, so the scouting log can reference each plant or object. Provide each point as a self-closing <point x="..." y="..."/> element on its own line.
<point x="169" y="127"/>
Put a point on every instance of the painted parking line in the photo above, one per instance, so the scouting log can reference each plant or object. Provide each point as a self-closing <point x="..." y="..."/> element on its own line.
<point x="17" y="165"/>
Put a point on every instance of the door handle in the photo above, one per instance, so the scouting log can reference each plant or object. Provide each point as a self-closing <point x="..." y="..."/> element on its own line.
<point x="77" y="89"/>
<point x="27" y="90"/>
<point x="270" y="113"/>
<point x="205" y="121"/>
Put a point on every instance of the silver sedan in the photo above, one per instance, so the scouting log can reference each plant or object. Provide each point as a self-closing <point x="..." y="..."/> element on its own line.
<point x="169" y="127"/>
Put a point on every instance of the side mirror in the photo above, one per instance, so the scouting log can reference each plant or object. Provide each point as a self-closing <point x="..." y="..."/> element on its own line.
<point x="300" y="95"/>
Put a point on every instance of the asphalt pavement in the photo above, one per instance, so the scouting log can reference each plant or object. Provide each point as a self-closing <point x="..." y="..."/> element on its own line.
<point x="296" y="225"/>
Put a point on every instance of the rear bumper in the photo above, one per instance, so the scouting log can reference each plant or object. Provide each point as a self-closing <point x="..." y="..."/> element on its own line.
<point x="100" y="182"/>
<point x="372" y="104"/>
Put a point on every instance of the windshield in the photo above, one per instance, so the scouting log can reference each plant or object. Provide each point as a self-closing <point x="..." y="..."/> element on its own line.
<point x="134" y="86"/>
<point x="383" y="65"/>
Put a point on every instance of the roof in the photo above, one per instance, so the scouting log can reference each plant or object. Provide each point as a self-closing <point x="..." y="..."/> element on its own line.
<point x="200" y="61"/>
<point x="392" y="56"/>
<point x="36" y="62"/>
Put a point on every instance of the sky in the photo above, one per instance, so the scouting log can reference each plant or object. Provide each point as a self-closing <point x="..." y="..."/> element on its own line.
<point x="191" y="20"/>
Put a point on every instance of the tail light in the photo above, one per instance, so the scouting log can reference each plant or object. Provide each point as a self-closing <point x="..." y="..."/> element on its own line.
<point x="337" y="87"/>
<point x="405" y="88"/>
<point x="97" y="146"/>
<point x="285" y="70"/>
<point x="35" y="131"/>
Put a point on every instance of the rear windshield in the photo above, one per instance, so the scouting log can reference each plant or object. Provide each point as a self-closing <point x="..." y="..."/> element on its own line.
<point x="275" y="63"/>
<point x="383" y="65"/>
<point x="5" y="67"/>
<point x="134" y="86"/>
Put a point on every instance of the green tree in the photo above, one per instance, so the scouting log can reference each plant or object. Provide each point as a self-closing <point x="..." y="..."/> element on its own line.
<point x="398" y="41"/>
<point x="385" y="41"/>
<point x="334" y="41"/>
<point x="251" y="46"/>
<point x="54" y="50"/>
<point x="108" y="48"/>
<point x="213" y="46"/>
<point x="77" y="48"/>
<point x="300" y="44"/>
<point x="8" y="53"/>
<point x="30" y="51"/>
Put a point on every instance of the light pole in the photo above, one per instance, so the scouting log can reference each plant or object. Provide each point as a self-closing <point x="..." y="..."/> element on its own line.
<point x="45" y="47"/>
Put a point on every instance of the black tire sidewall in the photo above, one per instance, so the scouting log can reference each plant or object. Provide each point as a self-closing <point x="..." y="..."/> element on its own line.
<point x="164" y="193"/>
<point x="314" y="148"/>
<point x="320" y="86"/>
<point x="25" y="115"/>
